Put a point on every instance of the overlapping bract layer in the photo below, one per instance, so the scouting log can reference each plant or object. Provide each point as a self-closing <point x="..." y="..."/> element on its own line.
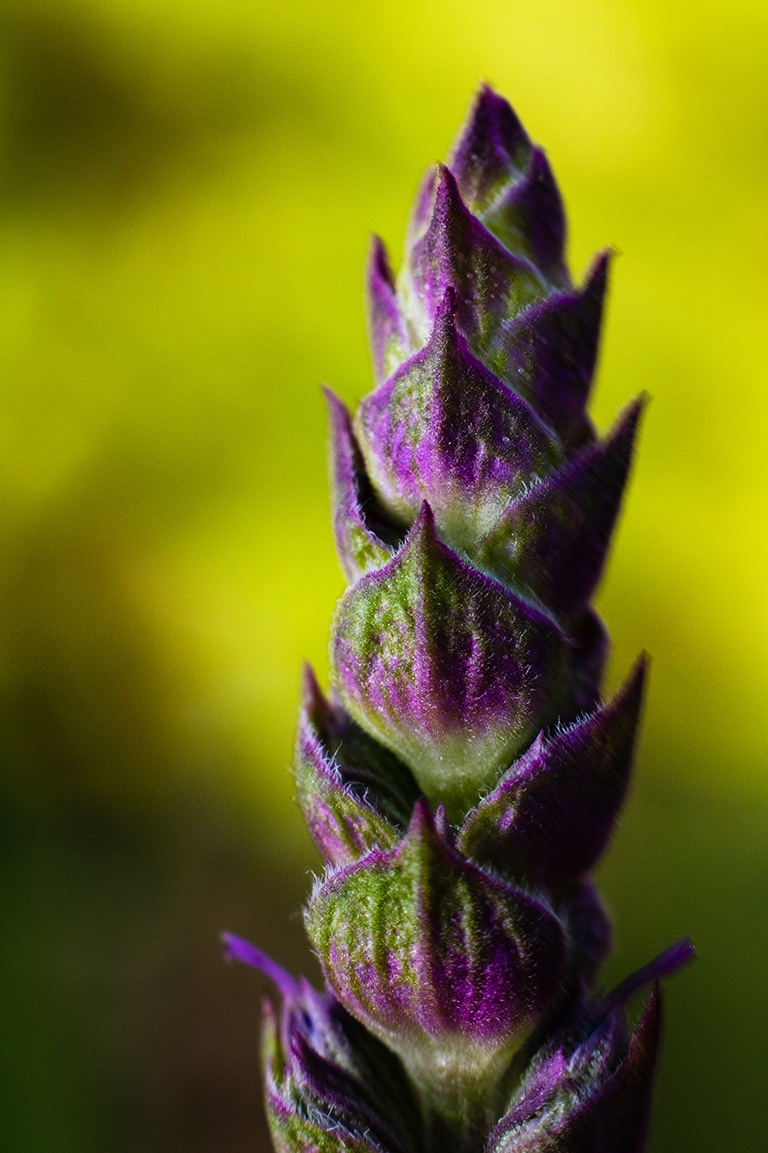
<point x="588" y="1090"/>
<point x="332" y="1086"/>
<point x="465" y="774"/>
<point x="449" y="965"/>
<point x="445" y="666"/>
<point x="445" y="429"/>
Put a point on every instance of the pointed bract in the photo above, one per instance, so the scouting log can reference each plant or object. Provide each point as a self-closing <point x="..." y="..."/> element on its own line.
<point x="550" y="816"/>
<point x="354" y="1102"/>
<point x="445" y="667"/>
<point x="591" y="1097"/>
<point x="492" y="150"/>
<point x="293" y="1125"/>
<point x="329" y="1086"/>
<point x="324" y="1071"/>
<point x="554" y="539"/>
<point x="548" y="354"/>
<point x="352" y="791"/>
<point x="359" y="547"/>
<point x="529" y="219"/>
<point x="458" y="252"/>
<point x="446" y="430"/>
<point x="451" y="967"/>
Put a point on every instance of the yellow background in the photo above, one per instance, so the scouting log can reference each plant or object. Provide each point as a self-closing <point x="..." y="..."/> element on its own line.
<point x="186" y="195"/>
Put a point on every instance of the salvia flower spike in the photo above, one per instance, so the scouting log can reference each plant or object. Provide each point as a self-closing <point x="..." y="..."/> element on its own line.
<point x="464" y="773"/>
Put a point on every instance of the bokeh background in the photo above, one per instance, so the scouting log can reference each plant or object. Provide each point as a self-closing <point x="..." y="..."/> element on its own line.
<point x="186" y="194"/>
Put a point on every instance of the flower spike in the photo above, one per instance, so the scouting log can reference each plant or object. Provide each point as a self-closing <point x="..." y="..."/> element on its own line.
<point x="465" y="773"/>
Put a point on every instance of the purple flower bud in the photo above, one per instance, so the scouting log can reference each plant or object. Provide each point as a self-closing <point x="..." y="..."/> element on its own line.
<point x="357" y="520"/>
<point x="297" y="1125"/>
<point x="446" y="667"/>
<point x="458" y="252"/>
<point x="446" y="430"/>
<point x="553" y="540"/>
<point x="550" y="816"/>
<point x="353" y="793"/>
<point x="450" y="966"/>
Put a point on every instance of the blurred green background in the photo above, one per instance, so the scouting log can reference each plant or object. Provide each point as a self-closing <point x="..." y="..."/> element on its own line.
<point x="186" y="194"/>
